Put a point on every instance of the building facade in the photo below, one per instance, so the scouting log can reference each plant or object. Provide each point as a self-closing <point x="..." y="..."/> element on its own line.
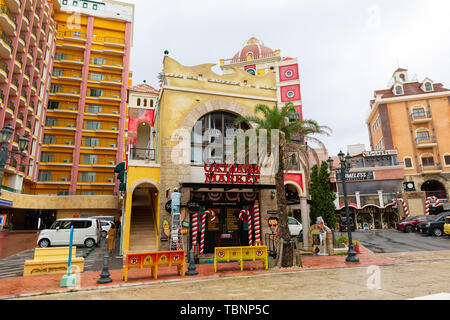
<point x="194" y="123"/>
<point x="413" y="118"/>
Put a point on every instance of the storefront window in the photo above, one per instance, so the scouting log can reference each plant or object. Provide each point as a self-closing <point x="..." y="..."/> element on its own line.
<point x="211" y="134"/>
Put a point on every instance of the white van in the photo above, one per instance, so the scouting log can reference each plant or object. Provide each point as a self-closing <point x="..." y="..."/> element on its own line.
<point x="86" y="232"/>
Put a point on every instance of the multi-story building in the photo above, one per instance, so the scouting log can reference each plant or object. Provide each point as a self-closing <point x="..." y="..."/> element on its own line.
<point x="413" y="117"/>
<point x="84" y="129"/>
<point x="27" y="45"/>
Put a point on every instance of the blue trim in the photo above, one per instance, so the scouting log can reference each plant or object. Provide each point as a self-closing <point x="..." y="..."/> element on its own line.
<point x="6" y="203"/>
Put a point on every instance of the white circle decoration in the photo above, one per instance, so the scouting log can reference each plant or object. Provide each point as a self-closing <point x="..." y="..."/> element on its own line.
<point x="290" y="94"/>
<point x="289" y="73"/>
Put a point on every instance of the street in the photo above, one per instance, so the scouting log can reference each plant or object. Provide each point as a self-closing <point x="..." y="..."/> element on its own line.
<point x="380" y="241"/>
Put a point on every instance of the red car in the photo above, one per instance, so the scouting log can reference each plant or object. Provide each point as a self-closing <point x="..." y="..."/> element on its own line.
<point x="409" y="224"/>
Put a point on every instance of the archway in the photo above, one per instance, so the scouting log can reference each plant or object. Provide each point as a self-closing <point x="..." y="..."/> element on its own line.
<point x="434" y="188"/>
<point x="144" y="211"/>
<point x="143" y="142"/>
<point x="293" y="200"/>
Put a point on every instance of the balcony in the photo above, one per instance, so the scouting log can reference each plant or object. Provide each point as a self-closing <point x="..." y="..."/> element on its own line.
<point x="105" y="127"/>
<point x="21" y="43"/>
<point x="72" y="35"/>
<point x="7" y="20"/>
<point x="26" y="21"/>
<point x="107" y="95"/>
<point x="65" y="107"/>
<point x="18" y="65"/>
<point x="13" y="5"/>
<point x="9" y="114"/>
<point x="66" y="91"/>
<point x="431" y="168"/>
<point x="426" y="142"/>
<point x="57" y="160"/>
<point x="70" y="59"/>
<point x="55" y="178"/>
<point x="4" y="72"/>
<point x="107" y="64"/>
<point x="68" y="75"/>
<point x="5" y="46"/>
<point x="421" y="117"/>
<point x="62" y="124"/>
<point x="141" y="154"/>
<point x="109" y="41"/>
<point x="60" y="141"/>
<point x="13" y="88"/>
<point x="36" y="18"/>
<point x="22" y="101"/>
<point x="112" y="80"/>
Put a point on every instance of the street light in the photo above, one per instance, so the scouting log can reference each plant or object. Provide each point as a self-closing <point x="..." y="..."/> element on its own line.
<point x="5" y="135"/>
<point x="345" y="162"/>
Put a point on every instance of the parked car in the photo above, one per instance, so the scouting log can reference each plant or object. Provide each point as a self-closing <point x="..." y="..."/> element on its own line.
<point x="434" y="227"/>
<point x="409" y="224"/>
<point x="295" y="227"/>
<point x="106" y="225"/>
<point x="447" y="226"/>
<point x="86" y="232"/>
<point x="343" y="224"/>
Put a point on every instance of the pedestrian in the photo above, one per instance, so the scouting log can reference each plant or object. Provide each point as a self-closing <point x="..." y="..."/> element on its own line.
<point x="117" y="226"/>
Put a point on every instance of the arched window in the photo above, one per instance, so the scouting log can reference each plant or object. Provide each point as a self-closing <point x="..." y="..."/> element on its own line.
<point x="398" y="90"/>
<point x="145" y="102"/>
<point x="418" y="113"/>
<point x="423" y="136"/>
<point x="402" y="77"/>
<point x="428" y="86"/>
<point x="139" y="102"/>
<point x="151" y="103"/>
<point x="210" y="135"/>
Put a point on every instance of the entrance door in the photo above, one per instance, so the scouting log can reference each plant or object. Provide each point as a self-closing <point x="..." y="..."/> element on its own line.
<point x="225" y="230"/>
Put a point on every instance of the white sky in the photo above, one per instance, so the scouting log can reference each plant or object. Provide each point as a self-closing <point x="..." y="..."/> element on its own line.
<point x="346" y="49"/>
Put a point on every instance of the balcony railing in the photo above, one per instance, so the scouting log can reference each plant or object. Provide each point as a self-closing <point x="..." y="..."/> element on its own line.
<point x="61" y="123"/>
<point x="71" y="34"/>
<point x="142" y="154"/>
<point x="4" y="9"/>
<point x="59" y="140"/>
<point x="69" y="57"/>
<point x="6" y="39"/>
<point x="431" y="167"/>
<point x="254" y="57"/>
<point x="425" y="140"/>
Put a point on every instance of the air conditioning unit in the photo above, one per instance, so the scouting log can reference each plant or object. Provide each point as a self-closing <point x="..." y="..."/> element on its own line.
<point x="116" y="112"/>
<point x="113" y="145"/>
<point x="110" y="180"/>
<point x="70" y="125"/>
<point x="68" y="142"/>
<point x="115" y="129"/>
<point x="64" y="179"/>
<point x="72" y="108"/>
<point x="111" y="162"/>
<point x="67" y="160"/>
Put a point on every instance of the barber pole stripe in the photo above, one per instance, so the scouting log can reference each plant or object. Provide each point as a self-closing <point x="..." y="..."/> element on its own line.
<point x="250" y="229"/>
<point x="213" y="214"/>
<point x="202" y="235"/>
<point x="242" y="213"/>
<point x="194" y="228"/>
<point x="428" y="202"/>
<point x="257" y="226"/>
<point x="405" y="207"/>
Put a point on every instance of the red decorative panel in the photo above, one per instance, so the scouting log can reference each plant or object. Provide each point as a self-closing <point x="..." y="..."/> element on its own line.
<point x="288" y="73"/>
<point x="290" y="93"/>
<point x="295" y="177"/>
<point x="299" y="111"/>
<point x="147" y="116"/>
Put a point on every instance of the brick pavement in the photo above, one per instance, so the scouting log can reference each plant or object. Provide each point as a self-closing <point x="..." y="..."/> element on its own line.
<point x="14" y="242"/>
<point x="45" y="284"/>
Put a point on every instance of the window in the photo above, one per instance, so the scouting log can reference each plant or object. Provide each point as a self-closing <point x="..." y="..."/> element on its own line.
<point x="48" y="139"/>
<point x="90" y="159"/>
<point x="95" y="6"/>
<point x="447" y="160"/>
<point x="418" y="113"/>
<point x="428" y="86"/>
<point x="83" y="224"/>
<point x="376" y="124"/>
<point x="98" y="61"/>
<point x="64" y="2"/>
<point x="95" y="92"/>
<point x="55" y="88"/>
<point x="63" y="193"/>
<point x="77" y="34"/>
<point x="423" y="136"/>
<point x="428" y="161"/>
<point x="380" y="145"/>
<point x="88" y="177"/>
<point x="44" y="175"/>
<point x="97" y="76"/>
<point x="92" y="125"/>
<point x="398" y="90"/>
<point x="75" y="3"/>
<point x="151" y="103"/>
<point x="91" y="142"/>
<point x="50" y="122"/>
<point x="211" y="135"/>
<point x="47" y="157"/>
<point x="53" y="105"/>
<point x="58" y="72"/>
<point x="145" y="102"/>
<point x="139" y="102"/>
<point x="85" y="5"/>
<point x="92" y="108"/>
<point x="88" y="193"/>
<point x="60" y="56"/>
<point x="408" y="163"/>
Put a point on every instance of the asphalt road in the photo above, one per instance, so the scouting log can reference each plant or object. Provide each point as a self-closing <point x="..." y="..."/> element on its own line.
<point x="385" y="241"/>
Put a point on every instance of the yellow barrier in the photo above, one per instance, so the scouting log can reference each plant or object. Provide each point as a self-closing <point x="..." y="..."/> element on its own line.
<point x="52" y="261"/>
<point x="240" y="254"/>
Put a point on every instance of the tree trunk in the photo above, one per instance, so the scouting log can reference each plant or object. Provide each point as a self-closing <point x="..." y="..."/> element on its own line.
<point x="287" y="258"/>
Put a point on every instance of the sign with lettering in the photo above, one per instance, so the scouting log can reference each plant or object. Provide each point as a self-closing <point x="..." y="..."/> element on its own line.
<point x="193" y="206"/>
<point x="355" y="176"/>
<point x="232" y="174"/>
<point x="379" y="153"/>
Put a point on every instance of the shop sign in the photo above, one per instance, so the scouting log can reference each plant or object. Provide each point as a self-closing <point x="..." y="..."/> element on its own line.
<point x="168" y="206"/>
<point x="272" y="212"/>
<point x="356" y="176"/>
<point x="232" y="174"/>
<point x="379" y="153"/>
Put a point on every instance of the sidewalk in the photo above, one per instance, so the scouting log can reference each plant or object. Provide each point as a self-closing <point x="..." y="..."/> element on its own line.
<point x="14" y="242"/>
<point x="46" y="284"/>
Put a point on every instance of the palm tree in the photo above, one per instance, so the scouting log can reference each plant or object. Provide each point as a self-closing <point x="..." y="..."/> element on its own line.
<point x="294" y="135"/>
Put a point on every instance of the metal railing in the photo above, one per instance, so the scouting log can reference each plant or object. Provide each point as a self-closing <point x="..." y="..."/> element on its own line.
<point x="431" y="167"/>
<point x="142" y="154"/>
<point x="4" y="9"/>
<point x="71" y="34"/>
<point x="425" y="140"/>
<point x="253" y="57"/>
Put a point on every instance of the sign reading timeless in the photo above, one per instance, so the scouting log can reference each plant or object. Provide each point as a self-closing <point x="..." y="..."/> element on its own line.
<point x="232" y="173"/>
<point x="355" y="176"/>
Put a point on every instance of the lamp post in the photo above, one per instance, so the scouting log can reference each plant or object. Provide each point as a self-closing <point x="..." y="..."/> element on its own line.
<point x="345" y="162"/>
<point x="5" y="135"/>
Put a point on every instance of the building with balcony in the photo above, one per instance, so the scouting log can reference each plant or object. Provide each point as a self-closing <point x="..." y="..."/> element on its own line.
<point x="86" y="113"/>
<point x="413" y="117"/>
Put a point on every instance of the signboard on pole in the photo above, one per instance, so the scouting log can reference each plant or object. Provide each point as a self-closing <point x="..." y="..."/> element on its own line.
<point x="2" y="220"/>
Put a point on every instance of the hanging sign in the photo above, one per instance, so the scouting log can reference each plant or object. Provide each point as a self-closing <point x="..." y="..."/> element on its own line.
<point x="193" y="206"/>
<point x="233" y="174"/>
<point x="168" y="206"/>
<point x="379" y="153"/>
<point x="355" y="176"/>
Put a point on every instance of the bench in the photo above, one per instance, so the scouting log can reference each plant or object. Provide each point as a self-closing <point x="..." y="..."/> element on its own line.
<point x="240" y="254"/>
<point x="52" y="261"/>
<point x="153" y="260"/>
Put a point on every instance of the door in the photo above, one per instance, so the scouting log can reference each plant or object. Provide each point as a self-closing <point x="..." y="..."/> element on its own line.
<point x="62" y="233"/>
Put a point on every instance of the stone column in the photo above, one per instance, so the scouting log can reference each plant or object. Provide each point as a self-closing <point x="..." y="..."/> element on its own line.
<point x="305" y="223"/>
<point x="358" y="199"/>
<point x="380" y="197"/>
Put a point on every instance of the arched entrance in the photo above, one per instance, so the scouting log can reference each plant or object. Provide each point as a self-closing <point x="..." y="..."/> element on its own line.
<point x="143" y="224"/>
<point x="143" y="142"/>
<point x="293" y="200"/>
<point x="434" y="188"/>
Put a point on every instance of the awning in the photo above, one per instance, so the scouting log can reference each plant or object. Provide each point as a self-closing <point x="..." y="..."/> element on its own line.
<point x="5" y="203"/>
<point x="227" y="187"/>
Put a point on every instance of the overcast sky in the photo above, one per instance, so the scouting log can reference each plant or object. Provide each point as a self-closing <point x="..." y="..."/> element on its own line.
<point x="346" y="49"/>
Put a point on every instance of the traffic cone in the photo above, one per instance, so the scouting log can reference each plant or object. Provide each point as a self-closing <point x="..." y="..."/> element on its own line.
<point x="357" y="247"/>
